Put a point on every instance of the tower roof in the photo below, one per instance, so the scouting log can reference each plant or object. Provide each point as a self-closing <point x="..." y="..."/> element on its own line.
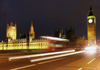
<point x="90" y="10"/>
<point x="90" y="7"/>
<point x="31" y="28"/>
<point x="11" y="23"/>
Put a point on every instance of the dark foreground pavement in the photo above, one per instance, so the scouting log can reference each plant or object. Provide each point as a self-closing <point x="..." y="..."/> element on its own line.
<point x="81" y="61"/>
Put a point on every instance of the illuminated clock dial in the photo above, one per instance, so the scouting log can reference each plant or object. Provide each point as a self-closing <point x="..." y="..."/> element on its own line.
<point x="90" y="20"/>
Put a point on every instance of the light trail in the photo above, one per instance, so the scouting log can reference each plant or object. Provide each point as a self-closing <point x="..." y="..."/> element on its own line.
<point x="37" y="55"/>
<point x="51" y="57"/>
<point x="34" y="64"/>
<point x="55" y="38"/>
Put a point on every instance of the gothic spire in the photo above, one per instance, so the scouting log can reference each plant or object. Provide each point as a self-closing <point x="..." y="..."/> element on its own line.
<point x="11" y="23"/>
<point x="32" y="33"/>
<point x="31" y="28"/>
<point x="7" y="25"/>
<point x="91" y="10"/>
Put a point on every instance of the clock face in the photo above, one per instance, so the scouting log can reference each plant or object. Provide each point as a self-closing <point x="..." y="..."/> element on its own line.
<point x="90" y="20"/>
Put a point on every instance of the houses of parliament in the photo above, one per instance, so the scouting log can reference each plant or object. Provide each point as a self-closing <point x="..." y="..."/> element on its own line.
<point x="29" y="41"/>
<point x="24" y="42"/>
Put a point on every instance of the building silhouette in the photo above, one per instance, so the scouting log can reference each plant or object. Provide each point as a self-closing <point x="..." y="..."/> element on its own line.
<point x="74" y="41"/>
<point x="70" y="34"/>
<point x="58" y="33"/>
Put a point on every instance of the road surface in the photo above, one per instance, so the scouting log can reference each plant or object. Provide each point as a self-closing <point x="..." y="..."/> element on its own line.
<point x="75" y="60"/>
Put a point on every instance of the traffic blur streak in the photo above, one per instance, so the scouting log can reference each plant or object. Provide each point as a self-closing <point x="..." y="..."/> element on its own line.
<point x="51" y="57"/>
<point x="54" y="38"/>
<point x="37" y="55"/>
<point x="91" y="49"/>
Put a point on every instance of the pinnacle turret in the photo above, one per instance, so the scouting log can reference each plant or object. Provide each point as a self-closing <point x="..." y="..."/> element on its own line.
<point x="31" y="28"/>
<point x="91" y="10"/>
<point x="32" y="31"/>
<point x="11" y="23"/>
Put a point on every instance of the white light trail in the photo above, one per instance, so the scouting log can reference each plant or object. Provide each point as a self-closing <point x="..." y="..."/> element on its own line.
<point x="37" y="55"/>
<point x="90" y="48"/>
<point x="54" y="38"/>
<point x="34" y="60"/>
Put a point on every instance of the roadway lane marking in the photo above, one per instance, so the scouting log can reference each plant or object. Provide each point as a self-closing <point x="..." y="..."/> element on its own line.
<point x="57" y="56"/>
<point x="91" y="61"/>
<point x="50" y="61"/>
<point x="97" y="66"/>
<point x="23" y="67"/>
<point x="37" y="55"/>
<point x="80" y="69"/>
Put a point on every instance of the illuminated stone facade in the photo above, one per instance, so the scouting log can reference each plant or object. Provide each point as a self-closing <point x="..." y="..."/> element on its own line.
<point x="26" y="42"/>
<point x="20" y="44"/>
<point x="91" y="28"/>
<point x="11" y="31"/>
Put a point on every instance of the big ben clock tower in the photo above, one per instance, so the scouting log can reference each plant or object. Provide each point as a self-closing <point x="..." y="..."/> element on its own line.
<point x="91" y="27"/>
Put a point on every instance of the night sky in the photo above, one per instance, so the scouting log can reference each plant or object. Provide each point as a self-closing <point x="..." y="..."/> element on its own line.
<point x="48" y="15"/>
